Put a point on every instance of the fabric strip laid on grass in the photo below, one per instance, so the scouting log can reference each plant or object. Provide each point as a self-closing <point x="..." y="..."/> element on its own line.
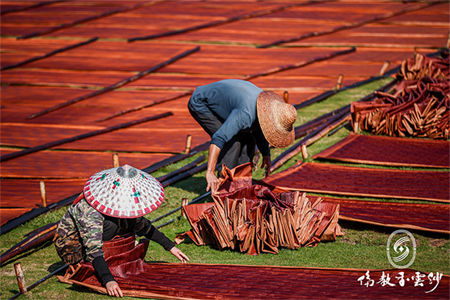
<point x="416" y="216"/>
<point x="389" y="151"/>
<point x="368" y="182"/>
<point x="214" y="281"/>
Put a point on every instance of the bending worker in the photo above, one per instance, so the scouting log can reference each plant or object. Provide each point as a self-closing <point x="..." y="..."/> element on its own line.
<point x="112" y="204"/>
<point x="237" y="115"/>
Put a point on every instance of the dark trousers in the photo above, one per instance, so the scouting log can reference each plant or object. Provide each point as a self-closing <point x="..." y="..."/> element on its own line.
<point x="239" y="150"/>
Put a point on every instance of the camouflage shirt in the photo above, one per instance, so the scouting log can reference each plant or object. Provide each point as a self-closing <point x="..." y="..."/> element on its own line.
<point x="80" y="232"/>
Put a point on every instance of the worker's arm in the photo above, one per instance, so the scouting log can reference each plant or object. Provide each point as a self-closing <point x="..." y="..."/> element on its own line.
<point x="144" y="227"/>
<point x="105" y="277"/>
<point x="113" y="289"/>
<point x="266" y="163"/>
<point x="211" y="178"/>
<point x="264" y="148"/>
<point x="89" y="223"/>
<point x="179" y="254"/>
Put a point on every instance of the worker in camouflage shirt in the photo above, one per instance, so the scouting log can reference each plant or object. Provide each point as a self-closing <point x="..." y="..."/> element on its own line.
<point x="83" y="228"/>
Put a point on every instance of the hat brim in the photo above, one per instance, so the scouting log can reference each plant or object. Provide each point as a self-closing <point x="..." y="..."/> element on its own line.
<point x="275" y="135"/>
<point x="120" y="197"/>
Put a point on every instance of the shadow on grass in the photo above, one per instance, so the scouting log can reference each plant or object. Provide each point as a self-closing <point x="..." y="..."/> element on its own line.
<point x="56" y="266"/>
<point x="193" y="184"/>
<point x="388" y="230"/>
<point x="26" y="253"/>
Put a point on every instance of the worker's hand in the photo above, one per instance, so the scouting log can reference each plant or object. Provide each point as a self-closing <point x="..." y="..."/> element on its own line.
<point x="179" y="254"/>
<point x="113" y="289"/>
<point x="266" y="163"/>
<point x="213" y="181"/>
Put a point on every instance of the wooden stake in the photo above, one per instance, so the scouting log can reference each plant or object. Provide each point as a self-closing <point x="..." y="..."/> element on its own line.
<point x="286" y="96"/>
<point x="20" y="278"/>
<point x="304" y="152"/>
<point x="115" y="158"/>
<point x="188" y="144"/>
<point x="384" y="67"/>
<point x="184" y="202"/>
<point x="339" y="81"/>
<point x="43" y="194"/>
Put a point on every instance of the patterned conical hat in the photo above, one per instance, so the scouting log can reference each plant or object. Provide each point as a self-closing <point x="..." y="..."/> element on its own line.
<point x="123" y="192"/>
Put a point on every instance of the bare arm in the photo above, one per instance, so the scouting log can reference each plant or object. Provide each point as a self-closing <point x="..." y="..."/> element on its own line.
<point x="211" y="178"/>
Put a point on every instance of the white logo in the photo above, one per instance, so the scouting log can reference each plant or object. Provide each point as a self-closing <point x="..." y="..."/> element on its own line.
<point x="404" y="247"/>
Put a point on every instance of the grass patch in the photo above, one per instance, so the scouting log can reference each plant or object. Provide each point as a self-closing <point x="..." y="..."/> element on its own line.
<point x="362" y="246"/>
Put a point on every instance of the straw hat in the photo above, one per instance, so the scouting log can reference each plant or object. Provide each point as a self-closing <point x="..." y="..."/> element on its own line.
<point x="123" y="192"/>
<point x="276" y="118"/>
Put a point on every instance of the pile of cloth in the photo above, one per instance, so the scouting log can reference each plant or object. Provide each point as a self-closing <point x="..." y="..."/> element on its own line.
<point x="253" y="217"/>
<point x="419" y="106"/>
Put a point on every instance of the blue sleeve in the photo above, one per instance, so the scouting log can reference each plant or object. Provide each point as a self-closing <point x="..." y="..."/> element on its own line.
<point x="236" y="121"/>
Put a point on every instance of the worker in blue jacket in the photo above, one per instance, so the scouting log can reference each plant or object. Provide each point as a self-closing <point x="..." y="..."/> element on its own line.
<point x="239" y="115"/>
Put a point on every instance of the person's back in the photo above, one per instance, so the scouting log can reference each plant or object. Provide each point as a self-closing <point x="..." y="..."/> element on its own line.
<point x="222" y="97"/>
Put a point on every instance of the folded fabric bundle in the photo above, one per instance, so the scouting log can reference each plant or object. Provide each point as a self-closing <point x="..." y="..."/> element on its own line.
<point x="419" y="107"/>
<point x="254" y="218"/>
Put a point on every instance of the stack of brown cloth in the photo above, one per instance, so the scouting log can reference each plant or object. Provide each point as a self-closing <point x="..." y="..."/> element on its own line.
<point x="419" y="107"/>
<point x="253" y="218"/>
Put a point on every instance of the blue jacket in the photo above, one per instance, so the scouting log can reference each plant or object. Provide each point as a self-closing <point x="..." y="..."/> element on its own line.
<point x="234" y="101"/>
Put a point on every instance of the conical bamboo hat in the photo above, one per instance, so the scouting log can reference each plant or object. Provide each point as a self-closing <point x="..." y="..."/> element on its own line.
<point x="123" y="192"/>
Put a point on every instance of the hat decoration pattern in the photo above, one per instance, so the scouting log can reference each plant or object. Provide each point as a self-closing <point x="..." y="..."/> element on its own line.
<point x="123" y="192"/>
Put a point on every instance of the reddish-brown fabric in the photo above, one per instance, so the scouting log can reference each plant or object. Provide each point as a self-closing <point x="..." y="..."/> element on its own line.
<point x="384" y="183"/>
<point x="212" y="281"/>
<point x="78" y="71"/>
<point x="231" y="180"/>
<point x="418" y="216"/>
<point x="389" y="151"/>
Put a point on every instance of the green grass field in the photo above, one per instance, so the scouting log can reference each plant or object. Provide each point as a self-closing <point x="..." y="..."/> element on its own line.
<point x="362" y="246"/>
